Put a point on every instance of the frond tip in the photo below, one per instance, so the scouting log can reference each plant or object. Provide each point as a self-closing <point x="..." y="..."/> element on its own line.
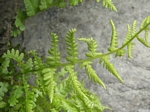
<point x="114" y="39"/>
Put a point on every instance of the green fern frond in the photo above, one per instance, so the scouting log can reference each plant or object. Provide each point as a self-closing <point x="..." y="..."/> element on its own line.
<point x="54" y="58"/>
<point x="144" y="40"/>
<point x="37" y="61"/>
<point x="66" y="104"/>
<point x="15" y="94"/>
<point x="3" y="89"/>
<point x="14" y="54"/>
<point x="43" y="5"/>
<point x="109" y="66"/>
<point x="49" y="81"/>
<point x="91" y="73"/>
<point x="4" y="66"/>
<point x="134" y="28"/>
<point x="127" y="39"/>
<point x="145" y="22"/>
<point x="109" y="4"/>
<point x="92" y="46"/>
<point x="43" y="105"/>
<point x="71" y="46"/>
<point x="120" y="52"/>
<point x="29" y="104"/>
<point x="19" y="23"/>
<point x="31" y="6"/>
<point x="74" y="2"/>
<point x="62" y="88"/>
<point x="77" y="87"/>
<point x="114" y="39"/>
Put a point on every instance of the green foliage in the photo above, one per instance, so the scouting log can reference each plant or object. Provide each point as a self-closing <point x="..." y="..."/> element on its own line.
<point x="56" y="87"/>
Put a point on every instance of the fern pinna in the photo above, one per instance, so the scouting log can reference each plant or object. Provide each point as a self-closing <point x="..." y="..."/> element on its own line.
<point x="56" y="87"/>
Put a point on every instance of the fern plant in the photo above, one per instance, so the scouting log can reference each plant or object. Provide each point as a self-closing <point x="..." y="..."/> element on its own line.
<point x="57" y="87"/>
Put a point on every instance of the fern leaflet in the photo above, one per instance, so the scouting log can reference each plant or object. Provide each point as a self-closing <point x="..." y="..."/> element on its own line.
<point x="14" y="95"/>
<point x="109" y="4"/>
<point x="109" y="66"/>
<point x="91" y="73"/>
<point x="92" y="46"/>
<point x="54" y="58"/>
<point x="144" y="40"/>
<point x="114" y="40"/>
<point x="49" y="81"/>
<point x="71" y="46"/>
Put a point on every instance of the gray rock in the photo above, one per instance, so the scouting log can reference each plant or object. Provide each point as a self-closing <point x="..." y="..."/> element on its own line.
<point x="91" y="19"/>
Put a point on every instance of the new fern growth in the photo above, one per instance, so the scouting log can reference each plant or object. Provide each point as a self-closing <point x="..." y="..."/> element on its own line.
<point x="57" y="87"/>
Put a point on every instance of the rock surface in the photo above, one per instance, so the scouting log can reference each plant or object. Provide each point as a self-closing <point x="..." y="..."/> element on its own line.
<point x="91" y="19"/>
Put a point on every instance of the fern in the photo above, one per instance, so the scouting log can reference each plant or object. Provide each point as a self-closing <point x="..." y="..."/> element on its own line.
<point x="15" y="95"/>
<point x="114" y="39"/>
<point x="3" y="90"/>
<point x="54" y="58"/>
<point x="57" y="87"/>
<point x="71" y="46"/>
<point x="92" y="46"/>
<point x="109" y="4"/>
<point x="109" y="66"/>
<point x="14" y="55"/>
<point x="49" y="81"/>
<point x="29" y="96"/>
<point x="91" y="73"/>
<point x="144" y="25"/>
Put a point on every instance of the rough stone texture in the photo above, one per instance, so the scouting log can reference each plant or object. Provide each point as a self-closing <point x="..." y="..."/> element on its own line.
<point x="7" y="14"/>
<point x="91" y="19"/>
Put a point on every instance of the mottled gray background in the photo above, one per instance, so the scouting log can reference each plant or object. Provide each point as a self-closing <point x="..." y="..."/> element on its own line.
<point x="91" y="19"/>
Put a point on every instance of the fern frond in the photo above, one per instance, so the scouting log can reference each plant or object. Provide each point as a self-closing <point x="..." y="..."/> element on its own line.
<point x="71" y="46"/>
<point x="92" y="46"/>
<point x="66" y="104"/>
<point x="31" y="6"/>
<point x="109" y="66"/>
<point x="14" y="54"/>
<point x="29" y="104"/>
<point x="77" y="87"/>
<point x="74" y="2"/>
<point x="49" y="81"/>
<point x="91" y="73"/>
<point x="144" y="40"/>
<point x="109" y="4"/>
<point x="54" y="58"/>
<point x="4" y="66"/>
<point x="37" y="61"/>
<point x="19" y="23"/>
<point x="15" y="94"/>
<point x="127" y="39"/>
<point x="3" y="89"/>
<point x="114" y="39"/>
<point x="145" y="22"/>
<point x="134" y="28"/>
<point x="43" y="105"/>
